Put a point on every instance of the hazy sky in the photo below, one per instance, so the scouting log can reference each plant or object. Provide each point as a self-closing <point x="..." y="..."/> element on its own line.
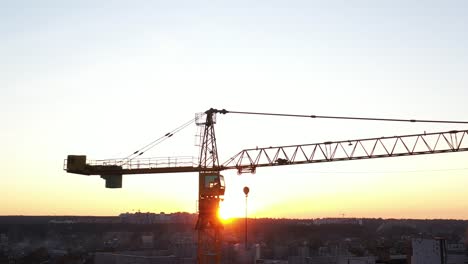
<point x="103" y="78"/>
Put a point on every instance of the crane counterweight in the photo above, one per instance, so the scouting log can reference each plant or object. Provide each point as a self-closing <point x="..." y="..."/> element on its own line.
<point x="113" y="181"/>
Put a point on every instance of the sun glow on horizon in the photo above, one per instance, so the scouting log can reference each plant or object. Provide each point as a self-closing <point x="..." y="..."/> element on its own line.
<point x="229" y="210"/>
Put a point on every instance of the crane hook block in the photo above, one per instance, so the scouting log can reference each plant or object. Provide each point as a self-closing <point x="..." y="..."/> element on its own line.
<point x="113" y="181"/>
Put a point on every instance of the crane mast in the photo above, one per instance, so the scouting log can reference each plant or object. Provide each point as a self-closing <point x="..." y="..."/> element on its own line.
<point x="210" y="193"/>
<point x="211" y="186"/>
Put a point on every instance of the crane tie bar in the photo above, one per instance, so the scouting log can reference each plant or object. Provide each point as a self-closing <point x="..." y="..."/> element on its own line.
<point x="224" y="111"/>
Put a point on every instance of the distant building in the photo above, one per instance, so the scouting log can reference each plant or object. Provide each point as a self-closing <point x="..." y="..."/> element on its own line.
<point x="299" y="254"/>
<point x="357" y="260"/>
<point x="184" y="246"/>
<point x="147" y="241"/>
<point x="336" y="260"/>
<point x="303" y="251"/>
<point x="54" y="221"/>
<point x="437" y="251"/>
<point x="246" y="256"/>
<point x="280" y="252"/>
<point x="116" y="258"/>
<point x="271" y="261"/>
<point x="328" y="221"/>
<point x="153" y="218"/>
<point x="3" y="240"/>
<point x="296" y="260"/>
<point x="131" y="218"/>
<point x="456" y="254"/>
<point x="428" y="251"/>
<point x="333" y="254"/>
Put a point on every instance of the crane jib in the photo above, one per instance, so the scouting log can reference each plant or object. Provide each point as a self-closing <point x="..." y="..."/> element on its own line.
<point x="248" y="160"/>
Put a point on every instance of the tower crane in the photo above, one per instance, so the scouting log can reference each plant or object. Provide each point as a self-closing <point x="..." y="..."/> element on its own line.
<point x="211" y="183"/>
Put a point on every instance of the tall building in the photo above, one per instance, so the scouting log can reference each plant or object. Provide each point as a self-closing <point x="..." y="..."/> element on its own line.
<point x="456" y="253"/>
<point x="428" y="251"/>
<point x="3" y="240"/>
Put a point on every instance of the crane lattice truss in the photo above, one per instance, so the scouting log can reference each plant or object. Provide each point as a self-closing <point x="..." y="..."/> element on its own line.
<point x="428" y="143"/>
<point x="248" y="160"/>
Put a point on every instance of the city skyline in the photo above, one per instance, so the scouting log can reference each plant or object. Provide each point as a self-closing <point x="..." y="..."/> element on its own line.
<point x="103" y="79"/>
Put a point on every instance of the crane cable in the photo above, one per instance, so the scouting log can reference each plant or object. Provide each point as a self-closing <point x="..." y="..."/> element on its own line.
<point x="389" y="172"/>
<point x="159" y="140"/>
<point x="350" y="118"/>
<point x="156" y="142"/>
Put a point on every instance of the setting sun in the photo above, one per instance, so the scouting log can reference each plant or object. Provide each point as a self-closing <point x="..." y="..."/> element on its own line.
<point x="229" y="210"/>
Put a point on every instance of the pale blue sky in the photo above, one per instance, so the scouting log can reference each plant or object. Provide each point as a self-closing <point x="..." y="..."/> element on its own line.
<point x="103" y="77"/>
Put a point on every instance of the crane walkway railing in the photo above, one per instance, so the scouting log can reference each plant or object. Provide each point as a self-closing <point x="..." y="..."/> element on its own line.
<point x="144" y="163"/>
<point x="147" y="163"/>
